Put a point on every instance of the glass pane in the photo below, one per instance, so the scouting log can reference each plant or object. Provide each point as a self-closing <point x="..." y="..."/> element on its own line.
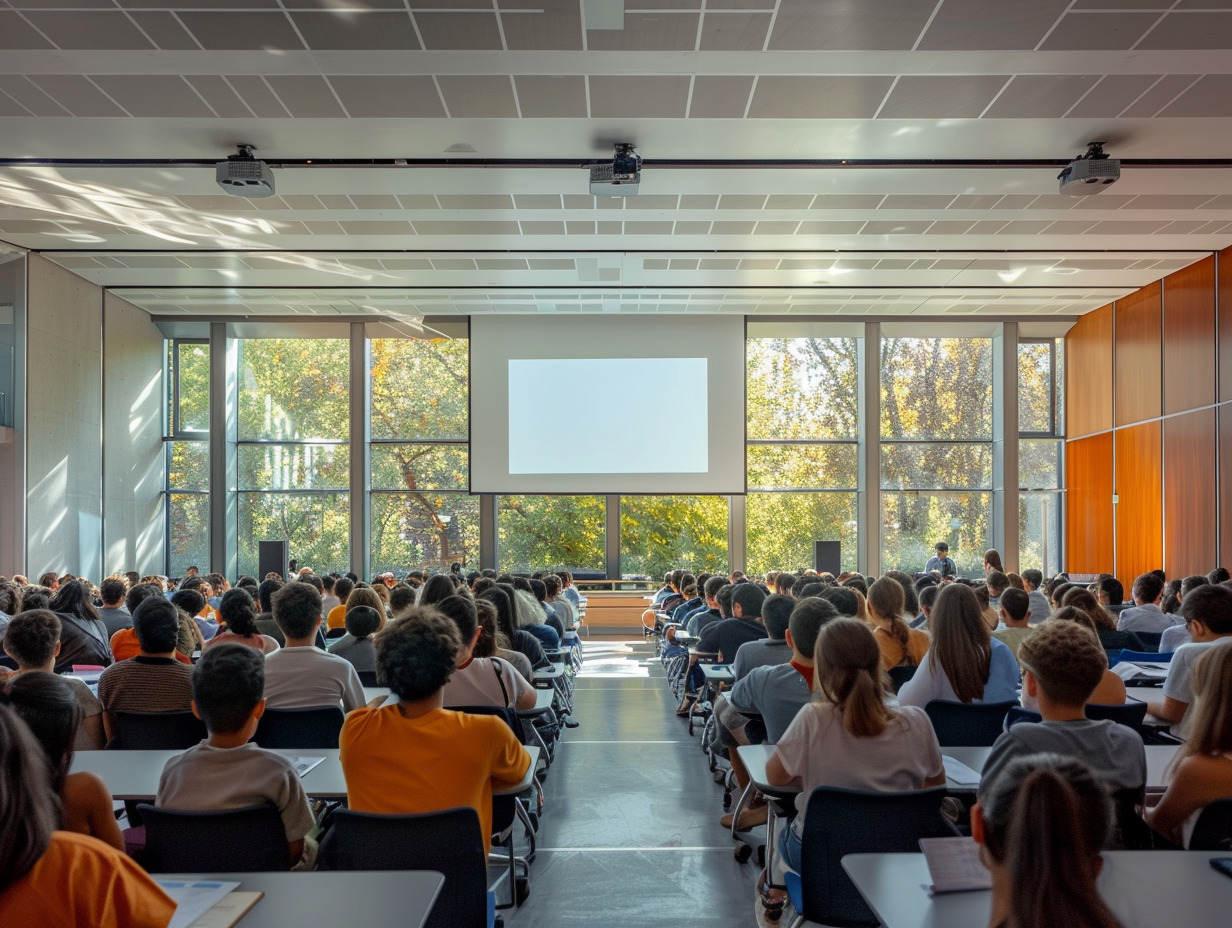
<point x="316" y="525"/>
<point x="547" y="532"/>
<point x="188" y="542"/>
<point x="294" y="467"/>
<point x="423" y="530"/>
<point x="419" y="387"/>
<point x="912" y="523"/>
<point x="293" y="388"/>
<point x="805" y="466"/>
<point x="660" y="533"/>
<point x="936" y="388"/>
<point x="1035" y="387"/>
<point x="194" y="387"/>
<point x="803" y="387"/>
<point x="419" y="467"/>
<point x="1039" y="532"/>
<point x="781" y="529"/>
<point x="1039" y="464"/>
<point x="936" y="466"/>
<point x="189" y="467"/>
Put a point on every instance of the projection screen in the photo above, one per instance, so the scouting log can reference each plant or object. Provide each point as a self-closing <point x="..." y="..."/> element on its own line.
<point x="607" y="404"/>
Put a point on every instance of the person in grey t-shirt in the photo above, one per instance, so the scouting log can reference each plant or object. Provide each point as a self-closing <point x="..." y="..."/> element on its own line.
<point x="766" y="652"/>
<point x="356" y="646"/>
<point x="1146" y="616"/>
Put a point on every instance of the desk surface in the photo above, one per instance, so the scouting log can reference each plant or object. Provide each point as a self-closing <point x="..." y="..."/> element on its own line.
<point x="754" y="758"/>
<point x="543" y="702"/>
<point x="1131" y="882"/>
<point x="373" y="899"/>
<point x="549" y="673"/>
<point x="717" y="673"/>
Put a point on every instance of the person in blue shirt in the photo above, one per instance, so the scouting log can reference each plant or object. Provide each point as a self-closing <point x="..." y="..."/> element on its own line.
<point x="942" y="562"/>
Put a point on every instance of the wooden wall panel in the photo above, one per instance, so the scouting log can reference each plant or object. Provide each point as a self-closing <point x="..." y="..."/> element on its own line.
<point x="1224" y="297"/>
<point x="1137" y="353"/>
<point x="1088" y="373"/>
<point x="1088" y="504"/>
<point x="1225" y="485"/>
<point x="1139" y="490"/>
<point x="1190" y="519"/>
<point x="1189" y="338"/>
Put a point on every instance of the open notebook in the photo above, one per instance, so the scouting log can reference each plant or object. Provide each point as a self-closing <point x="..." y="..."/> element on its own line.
<point x="954" y="865"/>
<point x="207" y="903"/>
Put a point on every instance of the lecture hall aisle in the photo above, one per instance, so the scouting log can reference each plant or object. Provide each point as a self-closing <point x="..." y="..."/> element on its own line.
<point x="632" y="836"/>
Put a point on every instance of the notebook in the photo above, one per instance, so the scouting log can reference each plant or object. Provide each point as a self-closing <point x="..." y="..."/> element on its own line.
<point x="954" y="865"/>
<point x="304" y="764"/>
<point x="959" y="773"/>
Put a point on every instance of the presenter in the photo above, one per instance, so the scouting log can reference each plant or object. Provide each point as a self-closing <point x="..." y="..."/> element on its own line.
<point x="942" y="562"/>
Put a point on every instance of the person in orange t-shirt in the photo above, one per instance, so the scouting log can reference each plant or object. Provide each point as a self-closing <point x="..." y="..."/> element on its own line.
<point x="58" y="879"/>
<point x="415" y="756"/>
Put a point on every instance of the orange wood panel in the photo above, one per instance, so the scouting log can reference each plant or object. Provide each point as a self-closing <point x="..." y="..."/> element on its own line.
<point x="1088" y="373"/>
<point x="1225" y="325"/>
<point x="1139" y="517"/>
<point x="1189" y="337"/>
<point x="1190" y="519"/>
<point x="1225" y="484"/>
<point x="1137" y="354"/>
<point x="1088" y="504"/>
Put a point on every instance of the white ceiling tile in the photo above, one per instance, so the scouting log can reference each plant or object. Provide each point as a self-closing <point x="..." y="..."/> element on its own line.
<point x="77" y="95"/>
<point x="252" y="31"/>
<point x="731" y="228"/>
<point x="895" y="227"/>
<point x="435" y="227"/>
<point x="335" y="201"/>
<point x="1112" y="94"/>
<point x="368" y="31"/>
<point x="257" y="96"/>
<point x="916" y="201"/>
<point x="553" y="97"/>
<point x="306" y="96"/>
<point x="1211" y="96"/>
<point x="547" y="25"/>
<point x="542" y="228"/>
<point x="741" y="201"/>
<point x="649" y="228"/>
<point x="82" y="29"/>
<point x="1169" y="201"/>
<point x="579" y="228"/>
<point x="165" y="30"/>
<point x="537" y="201"/>
<point x="649" y="32"/>
<point x="1040" y="96"/>
<point x="1159" y="96"/>
<point x="417" y="201"/>
<point x="482" y="96"/>
<point x="1118" y="227"/>
<point x="949" y="227"/>
<point x="638" y="96"/>
<point x="485" y="201"/>
<point x="879" y="24"/>
<point x="1025" y="227"/>
<point x="655" y="201"/>
<point x="719" y="96"/>
<point x="153" y="95"/>
<point x="1099" y="31"/>
<point x="1191" y="30"/>
<point x="775" y="228"/>
<point x="1101" y="201"/>
<point x="735" y="31"/>
<point x="698" y="201"/>
<point x="837" y="227"/>
<point x="458" y="31"/>
<point x="789" y="201"/>
<point x="388" y="227"/>
<point x="16" y="33"/>
<point x="691" y="228"/>
<point x="394" y="96"/>
<point x="946" y="97"/>
<point x="375" y="201"/>
<point x="1069" y="227"/>
<point x="974" y="201"/>
<point x="848" y="201"/>
<point x="219" y="95"/>
<point x="826" y="97"/>
<point x="977" y="24"/>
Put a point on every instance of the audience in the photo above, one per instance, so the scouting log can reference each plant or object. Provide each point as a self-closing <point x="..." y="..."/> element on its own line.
<point x="238" y="615"/>
<point x="362" y="622"/>
<point x="1110" y="691"/>
<point x="773" y="649"/>
<point x="1015" y="612"/>
<point x="265" y="618"/>
<point x="301" y="675"/>
<point x="1145" y="616"/>
<point x="1207" y="613"/>
<point x="114" y="614"/>
<point x="480" y="681"/>
<point x="83" y="634"/>
<point x="901" y="645"/>
<point x="1032" y="580"/>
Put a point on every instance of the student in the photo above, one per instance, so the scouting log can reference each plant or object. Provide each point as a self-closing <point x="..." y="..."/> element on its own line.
<point x="239" y="624"/>
<point x="435" y="588"/>
<point x="1112" y="638"/>
<point x="964" y="663"/>
<point x="901" y="645"/>
<point x="336" y="618"/>
<point x="356" y="645"/>
<point x="520" y="640"/>
<point x="1207" y="612"/>
<point x="992" y="561"/>
<point x="1112" y="595"/>
<point x="1062" y="664"/>
<point x="1015" y="612"/>
<point x="1032" y="580"/>
<point x="711" y="614"/>
<point x="725" y="638"/>
<point x="848" y="736"/>
<point x="928" y="598"/>
<point x="301" y="675"/>
<point x="941" y="561"/>
<point x="1145" y="616"/>
<point x="479" y="681"/>
<point x="997" y="583"/>
<point x="114" y="615"/>
<point x="773" y="649"/>
<point x="1041" y="825"/>
<point x="1201" y="770"/>
<point x="492" y="643"/>
<point x="265" y="618"/>
<point x="413" y="755"/>
<point x="1172" y="638"/>
<point x="531" y="617"/>
<point x="989" y="614"/>
<point x="32" y="640"/>
<point x="228" y="770"/>
<point x="1110" y="691"/>
<point x="83" y="635"/>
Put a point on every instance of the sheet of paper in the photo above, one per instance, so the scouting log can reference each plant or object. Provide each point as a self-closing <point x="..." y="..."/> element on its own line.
<point x="959" y="773"/>
<point x="192" y="900"/>
<point x="954" y="865"/>
<point x="304" y="764"/>
<point x="1142" y="671"/>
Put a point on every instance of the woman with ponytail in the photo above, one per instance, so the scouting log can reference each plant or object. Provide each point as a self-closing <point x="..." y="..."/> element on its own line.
<point x="901" y="645"/>
<point x="1042" y="823"/>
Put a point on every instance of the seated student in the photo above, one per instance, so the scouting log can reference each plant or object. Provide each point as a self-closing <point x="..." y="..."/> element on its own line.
<point x="997" y="583"/>
<point x="356" y="645"/>
<point x="773" y="649"/>
<point x="336" y="617"/>
<point x="153" y="680"/>
<point x="531" y="617"/>
<point x="849" y="736"/>
<point x="228" y="770"/>
<point x="413" y="755"/>
<point x="1207" y="612"/>
<point x="301" y="675"/>
<point x="480" y="681"/>
<point x="1146" y="616"/>
<point x="1062" y="664"/>
<point x="911" y="597"/>
<point x="47" y="705"/>
<point x="561" y="605"/>
<point x="114" y="615"/>
<point x="1110" y="691"/>
<point x="1032" y="580"/>
<point x="539" y="590"/>
<point x="1201" y="770"/>
<point x="124" y="643"/>
<point x="1112" y="638"/>
<point x="1172" y="638"/>
<point x="991" y="619"/>
<point x="1040" y="825"/>
<point x="901" y="645"/>
<point x="1111" y="595"/>
<point x="239" y="623"/>
<point x="265" y="618"/>
<point x="32" y="640"/>
<point x="725" y="638"/>
<point x="83" y="636"/>
<point x="700" y="618"/>
<point x="1015" y="612"/>
<point x="53" y="877"/>
<point x="493" y="643"/>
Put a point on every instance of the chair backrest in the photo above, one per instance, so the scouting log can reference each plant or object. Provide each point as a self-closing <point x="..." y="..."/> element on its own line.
<point x="1019" y="714"/>
<point x="1150" y="657"/>
<point x="1131" y="713"/>
<point x="972" y="725"/>
<point x="448" y="842"/>
<point x="1132" y="833"/>
<point x="367" y="678"/>
<point x="900" y="675"/>
<point x="226" y="841"/>
<point x="156" y="731"/>
<point x="1150" y="639"/>
<point x="1213" y="830"/>
<point x="335" y="633"/>
<point x="314" y="727"/>
<point x="846" y="821"/>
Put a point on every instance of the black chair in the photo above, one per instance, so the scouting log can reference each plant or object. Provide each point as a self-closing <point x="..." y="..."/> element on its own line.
<point x="235" y="840"/>
<point x="1132" y="833"/>
<point x="900" y="675"/>
<point x="449" y="842"/>
<point x="1150" y="639"/>
<point x="156" y="731"/>
<point x="367" y="678"/>
<point x="972" y="725"/>
<point x="1019" y="714"/>
<point x="1213" y="830"/>
<point x="314" y="727"/>
<point x="334" y="633"/>
<point x="847" y="821"/>
<point x="1131" y="714"/>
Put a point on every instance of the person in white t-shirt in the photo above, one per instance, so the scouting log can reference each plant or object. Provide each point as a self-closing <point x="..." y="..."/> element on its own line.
<point x="480" y="681"/>
<point x="301" y="675"/>
<point x="1207" y="612"/>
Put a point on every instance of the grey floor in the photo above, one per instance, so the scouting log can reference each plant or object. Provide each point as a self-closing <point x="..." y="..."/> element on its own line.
<point x="631" y="831"/>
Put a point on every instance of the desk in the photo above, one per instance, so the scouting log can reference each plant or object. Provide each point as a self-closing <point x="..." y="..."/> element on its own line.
<point x="1157" y="758"/>
<point x="754" y="758"/>
<point x="374" y="692"/>
<point x="543" y="702"/>
<point x="716" y="674"/>
<point x="373" y="899"/>
<point x="1131" y="883"/>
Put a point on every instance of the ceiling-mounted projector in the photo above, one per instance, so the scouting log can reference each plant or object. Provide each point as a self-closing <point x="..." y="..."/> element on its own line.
<point x="622" y="177"/>
<point x="242" y="175"/>
<point x="1090" y="173"/>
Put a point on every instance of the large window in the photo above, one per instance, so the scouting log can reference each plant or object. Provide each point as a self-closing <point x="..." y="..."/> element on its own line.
<point x="547" y="532"/>
<point x="1041" y="438"/>
<point x="658" y="533"/>
<point x="188" y="455"/>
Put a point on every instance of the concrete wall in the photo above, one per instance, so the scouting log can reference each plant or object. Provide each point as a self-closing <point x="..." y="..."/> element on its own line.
<point x="12" y="440"/>
<point x="134" y="530"/>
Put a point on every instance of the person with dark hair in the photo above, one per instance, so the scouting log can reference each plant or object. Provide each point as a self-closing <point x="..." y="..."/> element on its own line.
<point x="239" y="623"/>
<point x="1015" y="612"/>
<point x="725" y="638"/>
<point x="336" y="617"/>
<point x="700" y="618"/>
<point x="401" y="598"/>
<point x="901" y="645"/>
<point x="493" y="643"/>
<point x="1146" y="616"/>
<point x="49" y="876"/>
<point x="1032" y="580"/>
<point x="1218" y="575"/>
<point x="356" y="646"/>
<point x="265" y="618"/>
<point x="435" y="588"/>
<point x="480" y="681"/>
<point x="138" y="594"/>
<point x="539" y="590"/>
<point x="301" y="675"/>
<point x="153" y="681"/>
<point x="941" y="561"/>
<point x="228" y="770"/>
<point x="328" y="597"/>
<point x="114" y="615"/>
<point x="1177" y="635"/>
<point x="83" y="636"/>
<point x="773" y="649"/>
<point x="928" y="598"/>
<point x="414" y="755"/>
<point x="520" y="640"/>
<point x="1112" y="595"/>
<point x="992" y="561"/>
<point x="1207" y="612"/>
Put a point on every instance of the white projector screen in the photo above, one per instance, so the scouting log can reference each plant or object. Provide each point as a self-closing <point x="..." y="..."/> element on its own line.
<point x="602" y="404"/>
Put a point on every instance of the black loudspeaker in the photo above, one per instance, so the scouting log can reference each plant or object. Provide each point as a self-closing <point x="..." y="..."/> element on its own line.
<point x="272" y="558"/>
<point x="827" y="556"/>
